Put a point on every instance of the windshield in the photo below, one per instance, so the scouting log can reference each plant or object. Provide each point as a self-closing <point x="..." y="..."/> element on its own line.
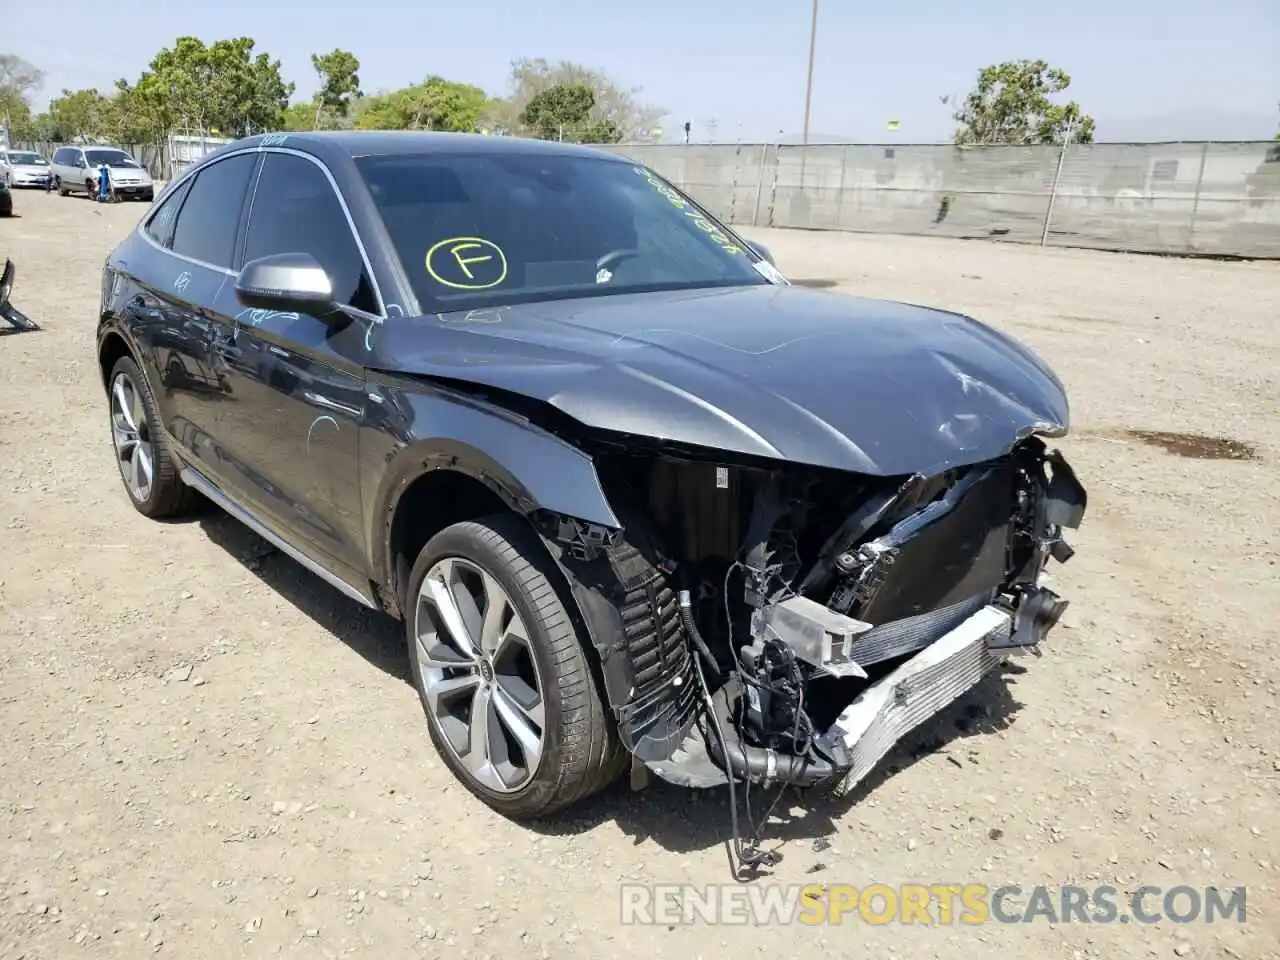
<point x="19" y="159"/>
<point x="112" y="158"/>
<point x="487" y="228"/>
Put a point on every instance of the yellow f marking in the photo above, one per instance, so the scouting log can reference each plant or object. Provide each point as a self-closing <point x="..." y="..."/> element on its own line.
<point x="463" y="262"/>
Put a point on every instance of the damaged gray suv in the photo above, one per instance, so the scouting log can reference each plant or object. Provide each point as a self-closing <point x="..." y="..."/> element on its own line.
<point x="637" y="499"/>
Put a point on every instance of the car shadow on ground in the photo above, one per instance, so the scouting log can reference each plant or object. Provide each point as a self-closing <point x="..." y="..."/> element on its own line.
<point x="677" y="819"/>
<point x="376" y="637"/>
<point x="687" y="821"/>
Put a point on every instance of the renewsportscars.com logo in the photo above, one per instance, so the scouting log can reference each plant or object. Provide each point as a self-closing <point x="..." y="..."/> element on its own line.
<point x="925" y="904"/>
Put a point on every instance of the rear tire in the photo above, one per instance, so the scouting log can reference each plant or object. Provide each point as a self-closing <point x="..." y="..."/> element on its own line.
<point x="477" y="567"/>
<point x="147" y="468"/>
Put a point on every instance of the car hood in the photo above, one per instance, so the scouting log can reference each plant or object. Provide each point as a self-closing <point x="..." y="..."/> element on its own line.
<point x="781" y="372"/>
<point x="28" y="168"/>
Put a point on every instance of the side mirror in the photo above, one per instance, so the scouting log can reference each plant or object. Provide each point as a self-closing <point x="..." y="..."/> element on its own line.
<point x="763" y="252"/>
<point x="287" y="281"/>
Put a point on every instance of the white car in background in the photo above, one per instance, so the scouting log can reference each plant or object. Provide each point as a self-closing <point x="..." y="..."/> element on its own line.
<point x="75" y="170"/>
<point x="24" y="168"/>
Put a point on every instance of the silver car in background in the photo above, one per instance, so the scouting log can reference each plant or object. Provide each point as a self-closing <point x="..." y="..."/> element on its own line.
<point x="75" y="170"/>
<point x="25" y="168"/>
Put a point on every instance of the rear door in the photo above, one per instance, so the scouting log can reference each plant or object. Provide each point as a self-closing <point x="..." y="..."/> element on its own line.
<point x="191" y="341"/>
<point x="298" y="381"/>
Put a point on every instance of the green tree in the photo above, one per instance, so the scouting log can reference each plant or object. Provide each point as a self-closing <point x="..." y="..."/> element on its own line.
<point x="221" y="87"/>
<point x="435" y="104"/>
<point x="299" y="117"/>
<point x="39" y="129"/>
<point x="18" y="121"/>
<point x="339" y="82"/>
<point x="18" y="81"/>
<point x="1011" y="104"/>
<point x="563" y="112"/>
<point x="81" y="115"/>
<point x="550" y="111"/>
<point x="135" y="119"/>
<point x="630" y="118"/>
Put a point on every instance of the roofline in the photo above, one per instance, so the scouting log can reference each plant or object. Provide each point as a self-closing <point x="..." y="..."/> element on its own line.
<point x="441" y="141"/>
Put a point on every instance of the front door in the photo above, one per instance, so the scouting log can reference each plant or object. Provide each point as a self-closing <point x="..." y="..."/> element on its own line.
<point x="298" y="379"/>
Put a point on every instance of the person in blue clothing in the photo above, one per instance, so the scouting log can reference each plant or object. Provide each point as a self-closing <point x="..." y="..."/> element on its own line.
<point x="104" y="183"/>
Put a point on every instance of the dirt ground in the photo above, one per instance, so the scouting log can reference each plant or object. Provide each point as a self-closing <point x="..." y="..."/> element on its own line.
<point x="209" y="753"/>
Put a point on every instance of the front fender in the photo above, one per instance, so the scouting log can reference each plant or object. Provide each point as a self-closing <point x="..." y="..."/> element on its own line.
<point x="412" y="430"/>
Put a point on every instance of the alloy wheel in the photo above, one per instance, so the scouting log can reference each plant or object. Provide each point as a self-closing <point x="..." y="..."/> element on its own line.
<point x="131" y="434"/>
<point x="479" y="674"/>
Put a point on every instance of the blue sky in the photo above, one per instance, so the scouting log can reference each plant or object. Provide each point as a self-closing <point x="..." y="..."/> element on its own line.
<point x="1144" y="68"/>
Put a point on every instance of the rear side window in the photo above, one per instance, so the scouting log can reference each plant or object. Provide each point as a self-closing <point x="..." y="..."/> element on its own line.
<point x="210" y="217"/>
<point x="160" y="226"/>
<point x="295" y="210"/>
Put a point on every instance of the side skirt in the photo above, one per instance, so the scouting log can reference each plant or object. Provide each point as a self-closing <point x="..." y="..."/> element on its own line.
<point x="197" y="481"/>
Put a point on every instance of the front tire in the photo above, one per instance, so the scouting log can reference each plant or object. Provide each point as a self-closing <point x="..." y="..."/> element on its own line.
<point x="62" y="191"/>
<point x="509" y="694"/>
<point x="147" y="468"/>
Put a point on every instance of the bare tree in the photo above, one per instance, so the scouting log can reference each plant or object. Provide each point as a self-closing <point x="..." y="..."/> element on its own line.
<point x="18" y="80"/>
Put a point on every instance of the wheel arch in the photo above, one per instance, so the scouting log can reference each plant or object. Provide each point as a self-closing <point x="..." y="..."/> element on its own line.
<point x="111" y="347"/>
<point x="617" y="598"/>
<point x="434" y="483"/>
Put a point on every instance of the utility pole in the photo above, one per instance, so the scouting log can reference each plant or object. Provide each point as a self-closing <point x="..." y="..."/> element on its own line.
<point x="808" y="95"/>
<point x="1057" y="181"/>
<point x="808" y="87"/>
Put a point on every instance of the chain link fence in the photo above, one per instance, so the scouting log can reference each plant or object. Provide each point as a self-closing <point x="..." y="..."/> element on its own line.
<point x="1215" y="199"/>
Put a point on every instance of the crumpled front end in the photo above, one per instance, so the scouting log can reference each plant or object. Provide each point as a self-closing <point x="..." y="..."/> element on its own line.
<point x="780" y="624"/>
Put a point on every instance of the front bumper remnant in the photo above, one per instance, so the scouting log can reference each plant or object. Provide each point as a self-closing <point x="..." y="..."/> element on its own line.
<point x="939" y="674"/>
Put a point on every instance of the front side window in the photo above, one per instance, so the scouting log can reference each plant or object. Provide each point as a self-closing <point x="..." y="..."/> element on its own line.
<point x="210" y="217"/>
<point x="490" y="227"/>
<point x="295" y="210"/>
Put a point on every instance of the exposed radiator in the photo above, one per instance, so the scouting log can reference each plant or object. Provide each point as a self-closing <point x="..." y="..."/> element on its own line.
<point x="901" y="637"/>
